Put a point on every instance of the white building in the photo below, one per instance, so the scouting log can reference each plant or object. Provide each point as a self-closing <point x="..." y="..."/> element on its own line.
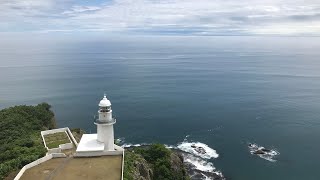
<point x="101" y="143"/>
<point x="91" y="145"/>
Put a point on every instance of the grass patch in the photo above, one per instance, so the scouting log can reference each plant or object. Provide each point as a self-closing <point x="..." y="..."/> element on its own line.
<point x="54" y="140"/>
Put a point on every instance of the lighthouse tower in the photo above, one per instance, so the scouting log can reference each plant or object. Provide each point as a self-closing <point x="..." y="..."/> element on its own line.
<point x="102" y="143"/>
<point x="105" y="125"/>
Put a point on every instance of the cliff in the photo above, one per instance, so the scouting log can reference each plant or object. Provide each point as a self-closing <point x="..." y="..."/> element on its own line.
<point x="153" y="162"/>
<point x="142" y="163"/>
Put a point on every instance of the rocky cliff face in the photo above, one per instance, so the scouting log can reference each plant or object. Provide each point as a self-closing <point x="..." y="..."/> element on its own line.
<point x="154" y="162"/>
<point x="142" y="170"/>
<point x="140" y="166"/>
<point x="177" y="164"/>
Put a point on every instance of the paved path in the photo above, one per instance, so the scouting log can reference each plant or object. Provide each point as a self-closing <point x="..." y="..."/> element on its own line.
<point x="76" y="168"/>
<point x="59" y="168"/>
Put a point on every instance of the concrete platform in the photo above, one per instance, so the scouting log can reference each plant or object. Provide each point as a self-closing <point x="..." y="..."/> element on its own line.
<point x="89" y="143"/>
<point x="92" y="168"/>
<point x="89" y="147"/>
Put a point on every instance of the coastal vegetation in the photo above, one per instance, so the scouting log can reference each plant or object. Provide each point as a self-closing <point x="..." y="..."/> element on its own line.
<point x="20" y="140"/>
<point x="21" y="144"/>
<point x="153" y="162"/>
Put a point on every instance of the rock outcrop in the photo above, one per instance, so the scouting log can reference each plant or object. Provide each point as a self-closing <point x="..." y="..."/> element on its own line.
<point x="154" y="162"/>
<point x="142" y="170"/>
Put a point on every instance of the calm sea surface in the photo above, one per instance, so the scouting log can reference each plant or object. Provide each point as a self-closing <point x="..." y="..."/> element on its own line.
<point x="221" y="91"/>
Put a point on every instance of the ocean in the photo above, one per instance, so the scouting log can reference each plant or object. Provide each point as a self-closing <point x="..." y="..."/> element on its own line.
<point x="222" y="92"/>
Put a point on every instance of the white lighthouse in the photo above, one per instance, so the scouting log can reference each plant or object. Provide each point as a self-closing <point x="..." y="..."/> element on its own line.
<point x="105" y="124"/>
<point x="102" y="143"/>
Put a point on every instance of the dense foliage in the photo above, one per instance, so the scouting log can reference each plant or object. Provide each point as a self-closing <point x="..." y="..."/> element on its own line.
<point x="159" y="158"/>
<point x="129" y="167"/>
<point x="20" y="140"/>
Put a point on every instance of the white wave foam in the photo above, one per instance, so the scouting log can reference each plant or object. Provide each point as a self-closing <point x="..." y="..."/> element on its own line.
<point x="200" y="164"/>
<point x="127" y="145"/>
<point x="206" y="177"/>
<point x="268" y="155"/>
<point x="170" y="146"/>
<point x="209" y="152"/>
<point x="196" y="159"/>
<point x="120" y="140"/>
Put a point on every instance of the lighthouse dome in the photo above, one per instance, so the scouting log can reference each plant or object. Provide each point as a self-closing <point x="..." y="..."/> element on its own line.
<point x="104" y="102"/>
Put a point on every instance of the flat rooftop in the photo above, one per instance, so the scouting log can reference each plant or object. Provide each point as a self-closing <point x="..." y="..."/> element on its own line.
<point x="80" y="168"/>
<point x="89" y="143"/>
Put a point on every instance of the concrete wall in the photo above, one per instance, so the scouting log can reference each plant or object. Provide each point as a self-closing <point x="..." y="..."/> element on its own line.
<point x="118" y="148"/>
<point x="117" y="151"/>
<point x="66" y="146"/>
<point x="122" y="168"/>
<point x="61" y="146"/>
<point x="54" y="150"/>
<point x="97" y="153"/>
<point x="34" y="163"/>
<point x="52" y="131"/>
<point x="72" y="138"/>
<point x="58" y="155"/>
<point x="37" y="162"/>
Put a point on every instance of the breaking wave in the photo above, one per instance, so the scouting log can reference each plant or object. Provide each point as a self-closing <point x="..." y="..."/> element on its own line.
<point x="191" y="147"/>
<point x="196" y="156"/>
<point x="262" y="152"/>
<point x="200" y="164"/>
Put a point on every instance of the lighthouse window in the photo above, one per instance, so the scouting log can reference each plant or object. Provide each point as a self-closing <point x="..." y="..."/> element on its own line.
<point x="104" y="109"/>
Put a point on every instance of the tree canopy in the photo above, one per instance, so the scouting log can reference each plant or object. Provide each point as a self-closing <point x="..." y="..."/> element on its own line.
<point x="20" y="140"/>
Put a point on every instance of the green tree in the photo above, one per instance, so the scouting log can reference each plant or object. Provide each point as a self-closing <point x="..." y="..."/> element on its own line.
<point x="20" y="141"/>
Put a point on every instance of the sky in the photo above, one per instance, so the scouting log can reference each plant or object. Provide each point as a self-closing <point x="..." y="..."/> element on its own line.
<point x="162" y="17"/>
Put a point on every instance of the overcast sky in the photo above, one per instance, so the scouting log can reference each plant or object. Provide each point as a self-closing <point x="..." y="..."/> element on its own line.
<point x="186" y="17"/>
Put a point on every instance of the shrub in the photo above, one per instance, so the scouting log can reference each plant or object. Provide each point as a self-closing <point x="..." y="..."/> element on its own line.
<point x="20" y="141"/>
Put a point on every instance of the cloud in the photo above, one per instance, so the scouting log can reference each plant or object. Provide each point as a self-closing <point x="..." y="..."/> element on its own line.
<point x="195" y="17"/>
<point x="81" y="9"/>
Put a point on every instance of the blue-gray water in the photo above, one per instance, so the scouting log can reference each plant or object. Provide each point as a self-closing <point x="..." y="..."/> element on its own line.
<point x="222" y="91"/>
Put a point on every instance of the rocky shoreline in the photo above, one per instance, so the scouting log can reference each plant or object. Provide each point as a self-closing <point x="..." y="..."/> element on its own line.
<point x="193" y="172"/>
<point x="179" y="159"/>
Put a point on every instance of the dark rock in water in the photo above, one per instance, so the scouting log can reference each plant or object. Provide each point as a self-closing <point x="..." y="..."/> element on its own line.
<point x="200" y="150"/>
<point x="266" y="150"/>
<point x="259" y="152"/>
<point x="267" y="154"/>
<point x="262" y="151"/>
